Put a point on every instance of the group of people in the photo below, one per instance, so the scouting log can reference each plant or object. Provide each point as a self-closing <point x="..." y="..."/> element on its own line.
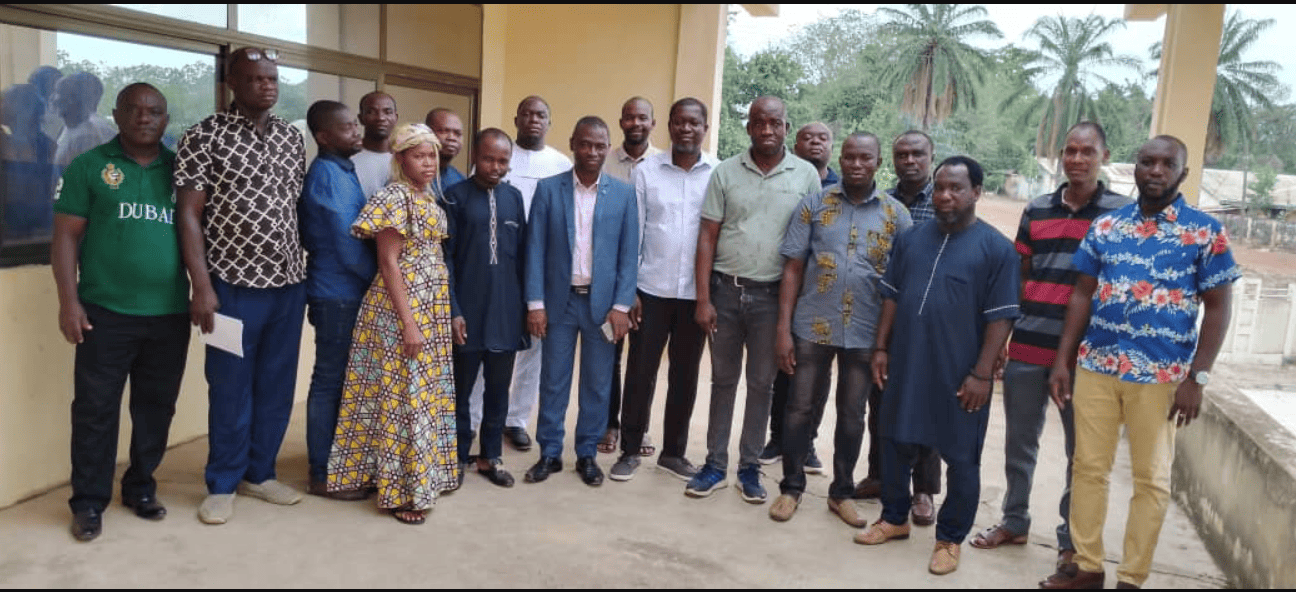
<point x="448" y="308"/>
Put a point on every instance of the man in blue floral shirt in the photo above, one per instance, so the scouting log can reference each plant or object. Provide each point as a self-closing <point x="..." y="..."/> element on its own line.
<point x="1144" y="271"/>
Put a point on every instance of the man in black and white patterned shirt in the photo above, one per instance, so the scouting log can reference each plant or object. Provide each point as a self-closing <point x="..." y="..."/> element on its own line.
<point x="238" y="180"/>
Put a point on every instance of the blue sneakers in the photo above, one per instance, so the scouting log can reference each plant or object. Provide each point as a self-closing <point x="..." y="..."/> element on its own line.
<point x="705" y="482"/>
<point x="749" y="485"/>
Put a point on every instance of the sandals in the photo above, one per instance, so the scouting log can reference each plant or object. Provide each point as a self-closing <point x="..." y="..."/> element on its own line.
<point x="997" y="535"/>
<point x="608" y="444"/>
<point x="407" y="516"/>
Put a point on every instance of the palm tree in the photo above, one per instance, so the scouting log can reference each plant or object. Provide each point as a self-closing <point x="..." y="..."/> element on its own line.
<point x="1239" y="85"/>
<point x="938" y="70"/>
<point x="1072" y="49"/>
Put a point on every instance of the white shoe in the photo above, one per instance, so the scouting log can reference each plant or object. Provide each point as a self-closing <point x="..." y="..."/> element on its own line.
<point x="218" y="508"/>
<point x="271" y="491"/>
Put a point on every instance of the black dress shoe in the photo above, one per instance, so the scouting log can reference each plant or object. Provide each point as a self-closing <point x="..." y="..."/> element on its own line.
<point x="147" y="507"/>
<point x="544" y="467"/>
<point x="589" y="471"/>
<point x="87" y="524"/>
<point x="496" y="474"/>
<point x="519" y="438"/>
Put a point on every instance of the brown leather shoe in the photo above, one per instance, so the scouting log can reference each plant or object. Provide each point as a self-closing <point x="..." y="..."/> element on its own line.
<point x="881" y="532"/>
<point x="945" y="558"/>
<point x="868" y="489"/>
<point x="923" y="510"/>
<point x="846" y="510"/>
<point x="993" y="537"/>
<point x="1065" y="556"/>
<point x="1070" y="577"/>
<point x="320" y="488"/>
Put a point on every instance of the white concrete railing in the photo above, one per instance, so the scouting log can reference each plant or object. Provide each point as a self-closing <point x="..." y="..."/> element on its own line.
<point x="1263" y="330"/>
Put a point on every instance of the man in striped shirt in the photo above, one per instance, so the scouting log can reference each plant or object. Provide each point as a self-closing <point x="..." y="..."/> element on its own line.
<point x="1051" y="229"/>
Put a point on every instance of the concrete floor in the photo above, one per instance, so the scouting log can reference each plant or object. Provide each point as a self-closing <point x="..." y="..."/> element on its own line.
<point x="644" y="533"/>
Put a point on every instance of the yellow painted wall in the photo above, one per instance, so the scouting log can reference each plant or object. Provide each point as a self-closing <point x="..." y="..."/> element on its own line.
<point x="587" y="60"/>
<point x="36" y="387"/>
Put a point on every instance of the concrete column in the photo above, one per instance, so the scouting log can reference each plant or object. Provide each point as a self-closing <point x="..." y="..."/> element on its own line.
<point x="699" y="61"/>
<point x="1189" y="57"/>
<point x="493" y="111"/>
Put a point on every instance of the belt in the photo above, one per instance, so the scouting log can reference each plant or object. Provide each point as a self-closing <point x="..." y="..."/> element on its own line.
<point x="744" y="282"/>
<point x="581" y="290"/>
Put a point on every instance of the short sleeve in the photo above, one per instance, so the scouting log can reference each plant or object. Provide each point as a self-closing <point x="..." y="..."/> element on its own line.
<point x="72" y="195"/>
<point x="1086" y="259"/>
<point x="193" y="161"/>
<point x="713" y="205"/>
<point x="1023" y="242"/>
<point x="389" y="208"/>
<point x="796" y="240"/>
<point x="1216" y="266"/>
<point x="889" y="285"/>
<point x="1002" y="297"/>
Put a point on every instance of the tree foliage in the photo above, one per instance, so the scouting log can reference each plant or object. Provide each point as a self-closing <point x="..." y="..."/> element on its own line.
<point x="930" y="60"/>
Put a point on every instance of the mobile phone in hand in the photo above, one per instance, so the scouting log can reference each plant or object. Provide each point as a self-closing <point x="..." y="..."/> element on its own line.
<point x="608" y="332"/>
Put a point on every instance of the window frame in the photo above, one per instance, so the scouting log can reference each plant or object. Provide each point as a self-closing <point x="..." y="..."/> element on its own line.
<point x="133" y="26"/>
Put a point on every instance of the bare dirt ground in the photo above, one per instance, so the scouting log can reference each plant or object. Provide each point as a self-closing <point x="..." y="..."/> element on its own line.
<point x="1004" y="214"/>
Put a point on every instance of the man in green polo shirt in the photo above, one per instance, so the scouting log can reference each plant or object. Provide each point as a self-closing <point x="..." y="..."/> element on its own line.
<point x="127" y="313"/>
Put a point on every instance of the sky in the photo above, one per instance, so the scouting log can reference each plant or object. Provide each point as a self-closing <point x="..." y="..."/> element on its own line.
<point x="748" y="34"/>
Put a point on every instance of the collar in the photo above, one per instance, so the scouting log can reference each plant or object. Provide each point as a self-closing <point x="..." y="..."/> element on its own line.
<point x="831" y="177"/>
<point x="922" y="195"/>
<point x="346" y="163"/>
<point x="622" y="156"/>
<point x="578" y="185"/>
<point x="704" y="159"/>
<point x="113" y="149"/>
<point x="837" y="189"/>
<point x="234" y="112"/>
<point x="1057" y="202"/>
<point x="788" y="163"/>
<point x="1169" y="214"/>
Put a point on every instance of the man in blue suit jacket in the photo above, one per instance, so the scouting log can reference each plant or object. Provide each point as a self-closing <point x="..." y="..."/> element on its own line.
<point x="581" y="271"/>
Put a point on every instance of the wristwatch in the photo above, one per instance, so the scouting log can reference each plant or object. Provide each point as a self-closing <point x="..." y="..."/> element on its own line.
<point x="1200" y="377"/>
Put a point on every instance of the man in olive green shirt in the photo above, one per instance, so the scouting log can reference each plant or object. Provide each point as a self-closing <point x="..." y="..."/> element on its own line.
<point x="127" y="313"/>
<point x="748" y="203"/>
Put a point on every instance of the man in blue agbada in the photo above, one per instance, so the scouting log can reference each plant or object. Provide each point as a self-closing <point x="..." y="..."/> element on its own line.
<point x="949" y="300"/>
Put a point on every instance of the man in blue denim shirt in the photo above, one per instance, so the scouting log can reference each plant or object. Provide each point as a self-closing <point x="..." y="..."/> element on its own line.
<point x="339" y="268"/>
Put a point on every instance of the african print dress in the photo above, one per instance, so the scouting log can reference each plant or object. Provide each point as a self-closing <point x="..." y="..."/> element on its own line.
<point x="396" y="421"/>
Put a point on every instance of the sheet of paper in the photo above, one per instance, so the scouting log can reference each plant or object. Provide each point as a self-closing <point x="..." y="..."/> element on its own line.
<point x="227" y="334"/>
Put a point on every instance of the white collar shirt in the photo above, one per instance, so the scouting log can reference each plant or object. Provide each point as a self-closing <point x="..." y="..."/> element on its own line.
<point x="670" y="205"/>
<point x="583" y="249"/>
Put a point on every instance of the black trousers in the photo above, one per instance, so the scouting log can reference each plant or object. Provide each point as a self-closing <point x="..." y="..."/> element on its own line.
<point x="664" y="319"/>
<point x="614" y="402"/>
<point x="927" y="468"/>
<point x="497" y="371"/>
<point x="806" y="405"/>
<point x="151" y="351"/>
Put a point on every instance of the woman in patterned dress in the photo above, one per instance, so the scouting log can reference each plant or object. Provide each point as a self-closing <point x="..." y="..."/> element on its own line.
<point x="396" y="422"/>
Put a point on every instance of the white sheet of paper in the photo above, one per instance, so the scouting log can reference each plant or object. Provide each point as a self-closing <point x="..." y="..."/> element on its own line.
<point x="227" y="334"/>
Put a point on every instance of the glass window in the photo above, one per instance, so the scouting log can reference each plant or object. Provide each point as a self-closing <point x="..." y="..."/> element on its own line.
<point x="352" y="28"/>
<point x="57" y="103"/>
<point x="298" y="89"/>
<point x="215" y="15"/>
<point x="413" y="105"/>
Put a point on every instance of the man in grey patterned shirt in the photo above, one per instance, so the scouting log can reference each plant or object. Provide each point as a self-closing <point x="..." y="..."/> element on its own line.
<point x="238" y="181"/>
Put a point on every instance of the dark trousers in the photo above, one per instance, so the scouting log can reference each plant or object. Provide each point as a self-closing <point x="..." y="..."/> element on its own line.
<point x="151" y="351"/>
<point x="497" y="372"/>
<point x="614" y="403"/>
<point x="251" y="397"/>
<point x="664" y="319"/>
<point x="778" y="409"/>
<point x="957" y="512"/>
<point x="927" y="467"/>
<point x="334" y="321"/>
<point x="805" y="407"/>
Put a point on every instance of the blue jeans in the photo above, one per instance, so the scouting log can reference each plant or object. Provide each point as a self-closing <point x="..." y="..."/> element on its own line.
<point x="333" y="321"/>
<point x="1026" y="401"/>
<point x="251" y="398"/>
<point x="746" y="317"/>
<point x="557" y="357"/>
<point x="963" y="479"/>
